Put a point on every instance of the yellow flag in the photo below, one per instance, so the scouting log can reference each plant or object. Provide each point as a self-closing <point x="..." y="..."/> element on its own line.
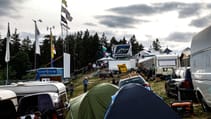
<point x="53" y="50"/>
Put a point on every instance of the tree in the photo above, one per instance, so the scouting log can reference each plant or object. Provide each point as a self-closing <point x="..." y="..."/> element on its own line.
<point x="156" y="45"/>
<point x="45" y="52"/>
<point x="59" y="53"/>
<point x="123" y="41"/>
<point x="2" y="53"/>
<point x="15" y="45"/>
<point x="20" y="64"/>
<point x="136" y="47"/>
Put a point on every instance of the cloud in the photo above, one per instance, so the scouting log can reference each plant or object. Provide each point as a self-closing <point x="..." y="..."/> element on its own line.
<point x="140" y="9"/>
<point x="9" y="8"/>
<point x="184" y="9"/>
<point x="90" y="24"/>
<point x="201" y="22"/>
<point x="180" y="37"/>
<point x="189" y="10"/>
<point x="118" y="21"/>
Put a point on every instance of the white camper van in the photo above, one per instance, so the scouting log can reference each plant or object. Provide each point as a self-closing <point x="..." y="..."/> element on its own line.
<point x="32" y="94"/>
<point x="8" y="104"/>
<point x="201" y="66"/>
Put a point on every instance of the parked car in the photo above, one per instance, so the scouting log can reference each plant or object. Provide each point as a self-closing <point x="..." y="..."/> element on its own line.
<point x="30" y="94"/>
<point x="184" y="84"/>
<point x="134" y="79"/>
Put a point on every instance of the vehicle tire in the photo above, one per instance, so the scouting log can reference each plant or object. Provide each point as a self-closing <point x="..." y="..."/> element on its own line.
<point x="204" y="106"/>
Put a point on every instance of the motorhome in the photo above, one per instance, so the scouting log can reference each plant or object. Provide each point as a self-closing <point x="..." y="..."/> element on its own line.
<point x="200" y="62"/>
<point x="8" y="104"/>
<point x="36" y="91"/>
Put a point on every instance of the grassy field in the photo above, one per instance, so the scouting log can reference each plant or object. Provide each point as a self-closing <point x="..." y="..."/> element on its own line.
<point x="158" y="88"/>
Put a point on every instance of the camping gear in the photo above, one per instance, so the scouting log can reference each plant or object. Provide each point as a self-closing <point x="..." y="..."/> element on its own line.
<point x="133" y="101"/>
<point x="184" y="108"/>
<point x="92" y="104"/>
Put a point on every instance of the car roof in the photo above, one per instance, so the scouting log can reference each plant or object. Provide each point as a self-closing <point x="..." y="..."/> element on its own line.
<point x="6" y="94"/>
<point x="128" y="78"/>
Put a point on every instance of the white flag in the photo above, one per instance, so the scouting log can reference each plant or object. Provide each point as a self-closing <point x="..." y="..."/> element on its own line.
<point x="7" y="55"/>
<point x="37" y="44"/>
<point x="130" y="49"/>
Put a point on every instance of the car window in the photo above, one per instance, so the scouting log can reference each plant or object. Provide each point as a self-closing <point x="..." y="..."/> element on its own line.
<point x="7" y="110"/>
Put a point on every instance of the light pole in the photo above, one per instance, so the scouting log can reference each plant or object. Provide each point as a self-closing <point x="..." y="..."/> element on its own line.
<point x="36" y="40"/>
<point x="51" y="43"/>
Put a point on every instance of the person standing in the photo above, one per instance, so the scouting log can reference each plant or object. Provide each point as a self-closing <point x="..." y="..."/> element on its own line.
<point x="71" y="89"/>
<point x="85" y="83"/>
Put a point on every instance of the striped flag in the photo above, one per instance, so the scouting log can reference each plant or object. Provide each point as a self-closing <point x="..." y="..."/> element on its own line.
<point x="37" y="34"/>
<point x="65" y="14"/>
<point x="63" y="19"/>
<point x="7" y="55"/>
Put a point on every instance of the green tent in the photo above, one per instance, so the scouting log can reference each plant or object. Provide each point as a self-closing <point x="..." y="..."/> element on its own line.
<point x="93" y="104"/>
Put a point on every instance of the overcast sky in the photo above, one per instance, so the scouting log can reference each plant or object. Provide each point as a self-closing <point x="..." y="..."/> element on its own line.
<point x="173" y="22"/>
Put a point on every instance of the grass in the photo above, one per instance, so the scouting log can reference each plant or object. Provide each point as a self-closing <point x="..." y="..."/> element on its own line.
<point x="158" y="88"/>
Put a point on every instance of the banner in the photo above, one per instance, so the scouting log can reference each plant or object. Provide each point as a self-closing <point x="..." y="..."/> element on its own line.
<point x="123" y="50"/>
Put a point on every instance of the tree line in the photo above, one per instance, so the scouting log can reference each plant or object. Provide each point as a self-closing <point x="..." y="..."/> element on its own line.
<point x="83" y="46"/>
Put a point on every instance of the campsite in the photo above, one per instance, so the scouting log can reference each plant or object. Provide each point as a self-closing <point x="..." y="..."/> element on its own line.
<point x="157" y="87"/>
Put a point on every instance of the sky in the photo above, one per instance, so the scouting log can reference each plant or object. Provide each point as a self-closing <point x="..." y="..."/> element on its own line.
<point x="173" y="22"/>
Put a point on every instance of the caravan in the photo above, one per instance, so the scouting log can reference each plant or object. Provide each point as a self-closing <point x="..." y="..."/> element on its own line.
<point x="45" y="97"/>
<point x="165" y="65"/>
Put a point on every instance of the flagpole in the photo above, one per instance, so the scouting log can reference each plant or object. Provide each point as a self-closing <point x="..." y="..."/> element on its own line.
<point x="7" y="74"/>
<point x="63" y="38"/>
<point x="35" y="58"/>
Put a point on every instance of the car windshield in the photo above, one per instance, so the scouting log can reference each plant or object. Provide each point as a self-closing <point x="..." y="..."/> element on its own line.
<point x="132" y="80"/>
<point x="34" y="103"/>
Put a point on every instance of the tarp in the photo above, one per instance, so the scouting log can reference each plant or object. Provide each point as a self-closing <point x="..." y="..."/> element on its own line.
<point x="133" y="101"/>
<point x="93" y="104"/>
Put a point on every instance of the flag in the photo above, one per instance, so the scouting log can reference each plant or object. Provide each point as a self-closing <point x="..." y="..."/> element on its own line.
<point x="130" y="49"/>
<point x="67" y="13"/>
<point x="63" y="19"/>
<point x="53" y="50"/>
<point x="65" y="26"/>
<point x="37" y="34"/>
<point x="64" y="2"/>
<point x="104" y="48"/>
<point x="7" y="55"/>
